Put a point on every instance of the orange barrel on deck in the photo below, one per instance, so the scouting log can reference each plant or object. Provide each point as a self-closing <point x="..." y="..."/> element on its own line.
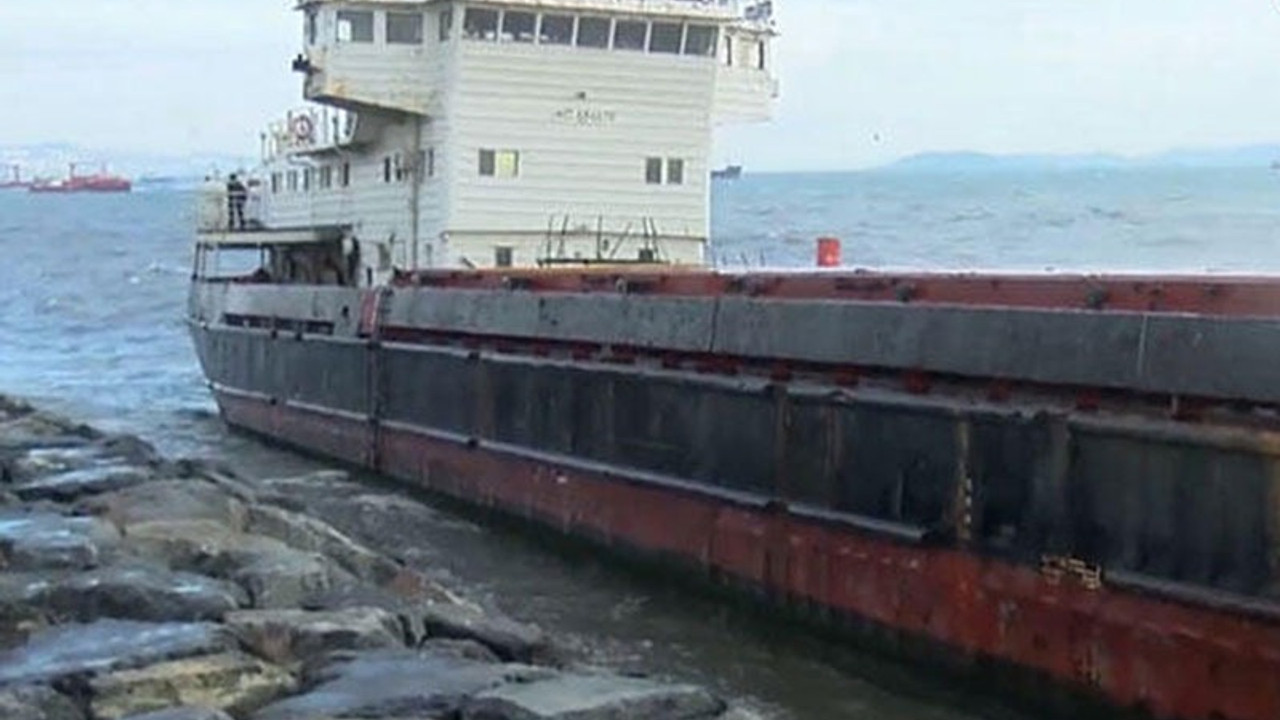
<point x="828" y="252"/>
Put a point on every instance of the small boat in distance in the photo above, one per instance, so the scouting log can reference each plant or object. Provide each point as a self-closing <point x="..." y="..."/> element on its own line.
<point x="15" y="181"/>
<point x="98" y="182"/>
<point x="729" y="172"/>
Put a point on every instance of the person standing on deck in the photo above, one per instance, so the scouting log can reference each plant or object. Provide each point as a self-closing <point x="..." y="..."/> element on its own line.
<point x="237" y="194"/>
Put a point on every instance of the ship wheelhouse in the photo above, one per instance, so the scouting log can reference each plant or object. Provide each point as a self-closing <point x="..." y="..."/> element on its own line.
<point x="512" y="133"/>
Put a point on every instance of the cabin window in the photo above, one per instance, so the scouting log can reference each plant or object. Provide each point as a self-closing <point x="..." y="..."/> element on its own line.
<point x="760" y="57"/>
<point x="386" y="169"/>
<point x="593" y="32"/>
<point x="556" y="30"/>
<point x="430" y="165"/>
<point x="446" y="24"/>
<point x="326" y="177"/>
<point x="480" y="24"/>
<point x="345" y="177"/>
<point x="355" y="26"/>
<point x="275" y="183"/>
<point x="306" y="179"/>
<point x="292" y="182"/>
<point x="499" y="163"/>
<point x="701" y="40"/>
<point x="313" y="24"/>
<point x="666" y="38"/>
<point x="518" y="26"/>
<point x="503" y="256"/>
<point x="630" y="35"/>
<point x="404" y="28"/>
<point x="675" y="171"/>
<point x="653" y="171"/>
<point x="728" y="50"/>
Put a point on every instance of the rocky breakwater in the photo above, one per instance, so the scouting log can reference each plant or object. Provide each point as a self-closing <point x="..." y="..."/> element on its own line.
<point x="136" y="587"/>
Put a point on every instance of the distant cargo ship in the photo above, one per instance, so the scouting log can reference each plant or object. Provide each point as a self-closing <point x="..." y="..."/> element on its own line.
<point x="15" y="180"/>
<point x="73" y="183"/>
<point x="730" y="172"/>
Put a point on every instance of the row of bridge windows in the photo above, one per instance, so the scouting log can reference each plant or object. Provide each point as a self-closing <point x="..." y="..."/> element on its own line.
<point x="519" y="26"/>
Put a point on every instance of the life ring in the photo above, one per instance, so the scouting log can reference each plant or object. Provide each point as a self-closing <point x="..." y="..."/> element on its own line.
<point x="304" y="128"/>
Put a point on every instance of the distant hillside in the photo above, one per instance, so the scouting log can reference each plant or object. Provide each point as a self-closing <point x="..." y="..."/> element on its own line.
<point x="53" y="159"/>
<point x="1247" y="156"/>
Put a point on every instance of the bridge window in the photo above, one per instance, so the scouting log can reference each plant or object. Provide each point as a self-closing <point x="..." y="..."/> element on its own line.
<point x="404" y="28"/>
<point x="630" y="35"/>
<point x="499" y="163"/>
<point x="313" y="19"/>
<point x="518" y="26"/>
<point x="666" y="38"/>
<point x="675" y="171"/>
<point x="345" y="177"/>
<point x="728" y="50"/>
<point x="292" y="183"/>
<point x="275" y="183"/>
<point x="653" y="171"/>
<point x="760" y="55"/>
<point x="556" y="30"/>
<point x="446" y="24"/>
<point x="503" y="255"/>
<point x="480" y="24"/>
<point x="355" y="26"/>
<point x="386" y="169"/>
<point x="700" y="40"/>
<point x="306" y="180"/>
<point x="326" y="177"/>
<point x="593" y="32"/>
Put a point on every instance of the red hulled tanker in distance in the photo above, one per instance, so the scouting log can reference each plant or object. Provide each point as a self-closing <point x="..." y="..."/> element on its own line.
<point x="481" y="275"/>
<point x="99" y="182"/>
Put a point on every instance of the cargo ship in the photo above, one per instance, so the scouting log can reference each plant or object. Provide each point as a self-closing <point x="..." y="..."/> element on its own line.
<point x="99" y="182"/>
<point x="15" y="181"/>
<point x="474" y="263"/>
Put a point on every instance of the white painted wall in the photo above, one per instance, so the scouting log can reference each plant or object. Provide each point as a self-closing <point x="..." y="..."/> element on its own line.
<point x="583" y="120"/>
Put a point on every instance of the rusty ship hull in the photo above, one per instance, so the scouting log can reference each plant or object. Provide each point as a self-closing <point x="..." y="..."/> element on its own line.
<point x="1066" y="480"/>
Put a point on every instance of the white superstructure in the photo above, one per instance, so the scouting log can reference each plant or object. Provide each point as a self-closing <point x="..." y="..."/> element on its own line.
<point x="478" y="134"/>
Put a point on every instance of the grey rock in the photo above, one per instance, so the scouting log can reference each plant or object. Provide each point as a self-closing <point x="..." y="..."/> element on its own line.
<point x="124" y="592"/>
<point x="288" y="637"/>
<point x="286" y="578"/>
<point x="272" y="573"/>
<point x="510" y="640"/>
<point x="18" y="621"/>
<point x="460" y="649"/>
<point x="234" y="682"/>
<point x="46" y="541"/>
<point x="396" y="683"/>
<point x="183" y="713"/>
<point x="107" y="645"/>
<point x="39" y="429"/>
<point x="738" y="712"/>
<point x="310" y="534"/>
<point x="593" y="697"/>
<point x="38" y="462"/>
<point x="34" y="702"/>
<point x="168" y="500"/>
<point x="71" y="484"/>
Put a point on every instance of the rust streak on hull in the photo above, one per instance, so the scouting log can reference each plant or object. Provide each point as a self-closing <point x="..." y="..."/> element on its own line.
<point x="1134" y="650"/>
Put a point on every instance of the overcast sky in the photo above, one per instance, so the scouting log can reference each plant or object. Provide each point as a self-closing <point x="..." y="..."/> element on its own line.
<point x="864" y="81"/>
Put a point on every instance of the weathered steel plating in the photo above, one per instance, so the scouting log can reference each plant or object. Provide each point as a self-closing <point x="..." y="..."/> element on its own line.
<point x="1111" y="526"/>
